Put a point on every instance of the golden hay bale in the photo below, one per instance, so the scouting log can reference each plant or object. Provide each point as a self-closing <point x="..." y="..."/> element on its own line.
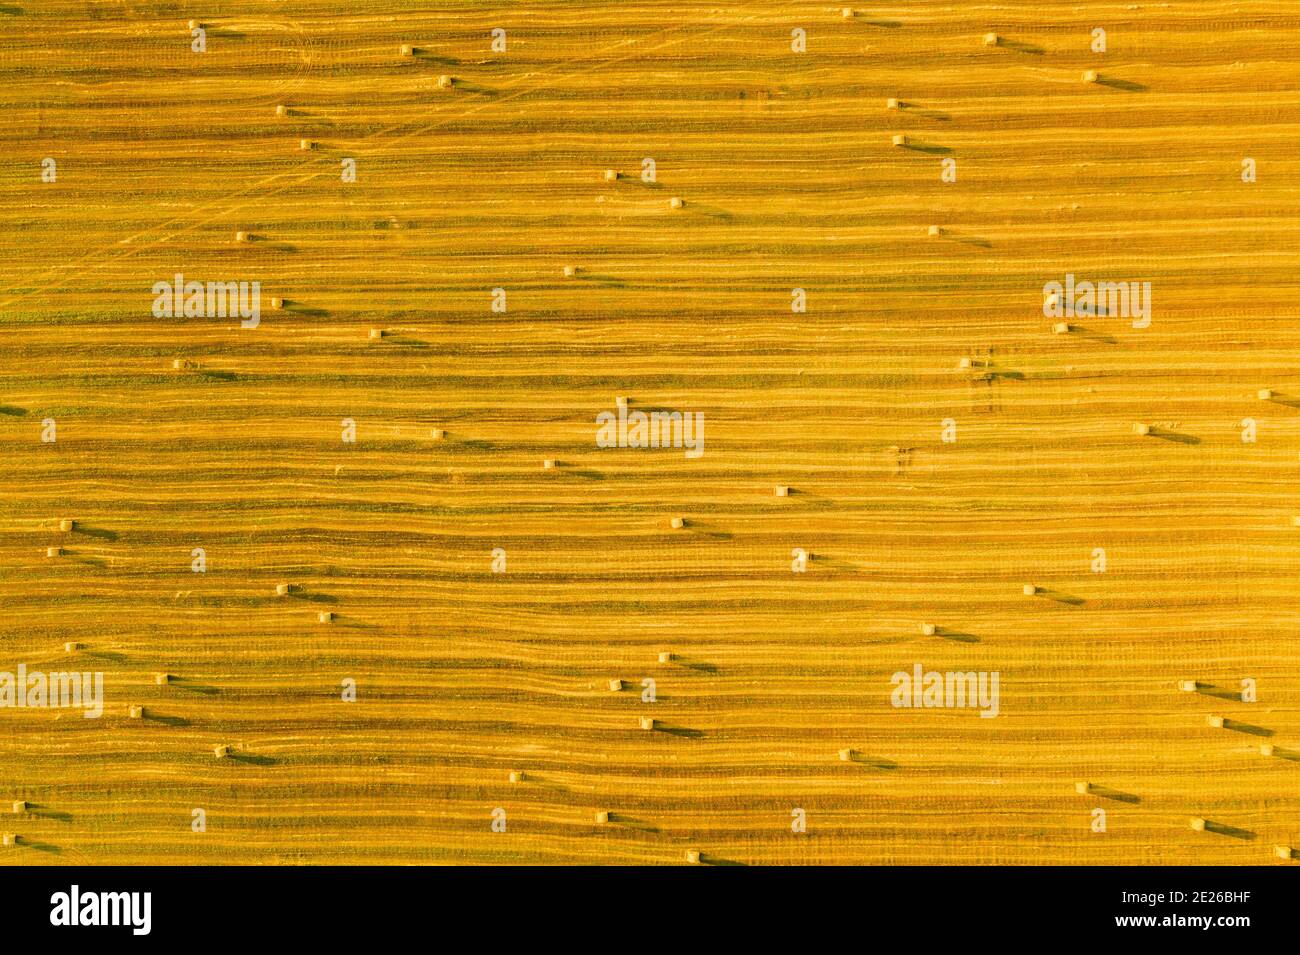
<point x="305" y="144"/>
<point x="846" y="755"/>
<point x="570" y="271"/>
<point x="516" y="776"/>
<point x="71" y="647"/>
<point x="1187" y="686"/>
<point x="325" y="616"/>
<point x="611" y="175"/>
<point x="1215" y="721"/>
<point x="782" y="490"/>
<point x="20" y="805"/>
<point x="927" y="629"/>
<point x="438" y="434"/>
<point x="647" y="723"/>
<point x="899" y="139"/>
<point x="376" y="333"/>
<point x="9" y="839"/>
<point x="162" y="679"/>
<point x="1061" y="328"/>
<point x="1265" y="394"/>
<point x="221" y="751"/>
<point x="282" y="110"/>
<point x="277" y="303"/>
<point x="992" y="39"/>
<point x="1090" y="76"/>
<point x="892" y="103"/>
<point x="241" y="236"/>
<point x="665" y="656"/>
<point x="1083" y="788"/>
<point x="675" y="203"/>
<point x="693" y="856"/>
<point x="1283" y="852"/>
<point x="1029" y="590"/>
<point x="677" y="523"/>
<point x="935" y="230"/>
<point x="135" y="712"/>
<point x="283" y="590"/>
<point x="53" y="551"/>
<point x="616" y="685"/>
<point x="445" y="82"/>
<point x="1266" y="749"/>
<point x="1141" y="428"/>
<point x="1198" y="823"/>
<point x="66" y="525"/>
<point x="602" y="816"/>
<point x="548" y="464"/>
<point x="408" y="50"/>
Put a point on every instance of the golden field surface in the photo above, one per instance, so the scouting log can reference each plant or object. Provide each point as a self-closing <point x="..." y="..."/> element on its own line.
<point x="172" y="434"/>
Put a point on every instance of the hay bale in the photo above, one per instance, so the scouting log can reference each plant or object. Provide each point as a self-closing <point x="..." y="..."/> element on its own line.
<point x="221" y="751"/>
<point x="277" y="303"/>
<point x="305" y="144"/>
<point x="611" y="175"/>
<point x="964" y="364"/>
<point x="53" y="551"/>
<point x="846" y="755"/>
<point x="408" y="50"/>
<point x="241" y="237"/>
<point x="665" y="656"/>
<point x="1029" y="590"/>
<point x="992" y="39"/>
<point x="677" y="523"/>
<point x="899" y="139"/>
<point x="935" y="230"/>
<point x="616" y="685"/>
<point x="9" y="839"/>
<point x="67" y="525"/>
<point x="376" y="334"/>
<point x="162" y="679"/>
<point x="135" y="712"/>
<point x="1198" y="823"/>
<point x="892" y="103"/>
<point x="1061" y="328"/>
<point x="1142" y="429"/>
<point x="1265" y="394"/>
<point x="516" y="776"/>
<point x="1266" y="749"/>
<point x="71" y="647"/>
<point x="439" y="434"/>
<point x="570" y="271"/>
<point x="675" y="202"/>
<point x="693" y="856"/>
<point x="1187" y="686"/>
<point x="282" y="111"/>
<point x="283" y="590"/>
<point x="1090" y="76"/>
<point x="782" y="490"/>
<point x="325" y="616"/>
<point x="647" y="723"/>
<point x="1283" y="852"/>
<point x="1083" y="788"/>
<point x="445" y="82"/>
<point x="602" y="816"/>
<point x="20" y="806"/>
<point x="927" y="629"/>
<point x="847" y="13"/>
<point x="548" y="464"/>
<point x="1215" y="721"/>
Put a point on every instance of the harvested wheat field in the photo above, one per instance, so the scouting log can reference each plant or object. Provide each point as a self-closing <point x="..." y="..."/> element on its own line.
<point x="370" y="581"/>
